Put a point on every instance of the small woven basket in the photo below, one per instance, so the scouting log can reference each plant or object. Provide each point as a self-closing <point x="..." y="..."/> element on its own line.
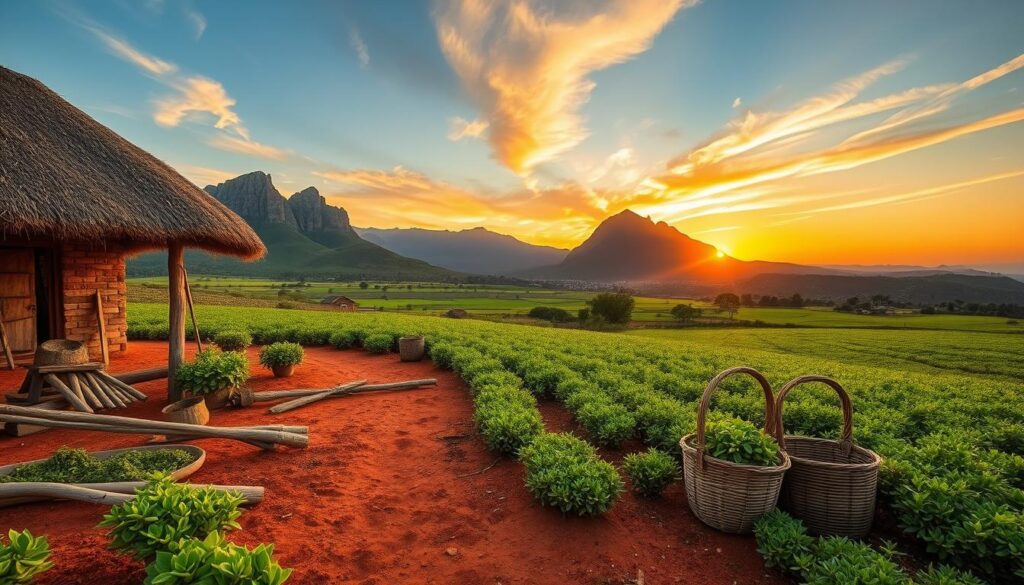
<point x="832" y="484"/>
<point x="725" y="495"/>
<point x="411" y="348"/>
<point x="60" y="352"/>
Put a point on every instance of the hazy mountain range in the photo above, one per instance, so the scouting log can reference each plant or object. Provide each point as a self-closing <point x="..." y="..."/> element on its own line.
<point x="305" y="236"/>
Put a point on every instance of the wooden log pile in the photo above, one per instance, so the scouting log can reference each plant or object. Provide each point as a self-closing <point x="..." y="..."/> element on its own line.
<point x="86" y="387"/>
<point x="302" y="397"/>
<point x="264" y="437"/>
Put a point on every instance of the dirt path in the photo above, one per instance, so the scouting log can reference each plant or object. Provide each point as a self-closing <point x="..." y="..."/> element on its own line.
<point x="383" y="495"/>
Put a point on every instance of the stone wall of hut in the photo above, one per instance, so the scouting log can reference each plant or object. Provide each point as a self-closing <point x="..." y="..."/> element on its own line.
<point x="84" y="271"/>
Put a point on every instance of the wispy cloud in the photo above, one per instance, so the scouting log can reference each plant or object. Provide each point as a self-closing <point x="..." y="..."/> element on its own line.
<point x="197" y="20"/>
<point x="246" y="146"/>
<point x="199" y="95"/>
<point x="122" y="49"/>
<point x="459" y="128"/>
<point x="526" y="64"/>
<point x="359" y="46"/>
<point x="203" y="176"/>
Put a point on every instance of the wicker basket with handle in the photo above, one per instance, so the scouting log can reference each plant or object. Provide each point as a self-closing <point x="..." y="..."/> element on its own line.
<point x="725" y="495"/>
<point x="832" y="484"/>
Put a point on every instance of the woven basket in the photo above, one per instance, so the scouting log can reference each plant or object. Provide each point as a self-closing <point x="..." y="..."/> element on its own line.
<point x="411" y="348"/>
<point x="725" y="495"/>
<point x="60" y="352"/>
<point x="832" y="484"/>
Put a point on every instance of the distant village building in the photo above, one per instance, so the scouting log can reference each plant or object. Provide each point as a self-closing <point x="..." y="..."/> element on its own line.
<point x="341" y="302"/>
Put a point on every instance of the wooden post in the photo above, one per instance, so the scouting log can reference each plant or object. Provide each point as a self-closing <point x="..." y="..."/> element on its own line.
<point x="102" y="321"/>
<point x="176" y="318"/>
<point x="191" y="309"/>
<point x="4" y="341"/>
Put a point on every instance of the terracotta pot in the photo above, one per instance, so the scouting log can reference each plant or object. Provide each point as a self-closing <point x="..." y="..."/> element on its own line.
<point x="219" y="399"/>
<point x="190" y="410"/>
<point x="283" y="371"/>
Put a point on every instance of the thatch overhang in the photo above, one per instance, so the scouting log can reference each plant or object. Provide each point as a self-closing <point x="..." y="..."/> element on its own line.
<point x="66" y="177"/>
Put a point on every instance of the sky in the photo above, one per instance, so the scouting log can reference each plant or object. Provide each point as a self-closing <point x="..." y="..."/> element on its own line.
<point x="869" y="132"/>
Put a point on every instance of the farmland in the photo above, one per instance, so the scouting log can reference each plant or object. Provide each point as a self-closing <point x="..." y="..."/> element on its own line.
<point x="513" y="302"/>
<point x="951" y="435"/>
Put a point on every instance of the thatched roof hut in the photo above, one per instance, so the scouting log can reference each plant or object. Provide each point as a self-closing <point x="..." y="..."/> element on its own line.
<point x="75" y="199"/>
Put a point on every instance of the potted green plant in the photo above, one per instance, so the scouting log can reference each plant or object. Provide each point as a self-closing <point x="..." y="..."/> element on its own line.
<point x="281" y="358"/>
<point x="215" y="375"/>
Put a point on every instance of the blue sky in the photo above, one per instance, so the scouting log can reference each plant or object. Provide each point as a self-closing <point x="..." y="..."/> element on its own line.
<point x="752" y="125"/>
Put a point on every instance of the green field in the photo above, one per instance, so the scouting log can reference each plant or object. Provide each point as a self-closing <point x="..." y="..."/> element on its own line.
<point x="945" y="408"/>
<point x="507" y="301"/>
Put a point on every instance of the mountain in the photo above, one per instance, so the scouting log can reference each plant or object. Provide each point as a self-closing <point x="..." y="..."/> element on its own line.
<point x="304" y="237"/>
<point x="630" y="248"/>
<point x="901" y="270"/>
<point x="938" y="288"/>
<point x="477" y="250"/>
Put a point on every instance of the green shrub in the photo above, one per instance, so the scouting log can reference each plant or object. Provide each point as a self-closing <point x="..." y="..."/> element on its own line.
<point x="507" y="417"/>
<point x="163" y="513"/>
<point x="378" y="343"/>
<point x="738" y="441"/>
<point x="841" y="560"/>
<point x="282" y="353"/>
<point x="68" y="465"/>
<point x="213" y="370"/>
<point x="606" y="423"/>
<point x="565" y="472"/>
<point x="553" y="314"/>
<point x="344" y="339"/>
<point x="233" y="340"/>
<point x="783" y="542"/>
<point x="943" y="575"/>
<point x="23" y="557"/>
<point x="214" y="561"/>
<point x="651" y="472"/>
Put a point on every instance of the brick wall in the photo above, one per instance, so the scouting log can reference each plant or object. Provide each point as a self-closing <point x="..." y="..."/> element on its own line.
<point x="85" y="271"/>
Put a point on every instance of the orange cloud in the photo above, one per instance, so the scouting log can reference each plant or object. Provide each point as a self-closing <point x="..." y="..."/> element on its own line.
<point x="248" y="147"/>
<point x="526" y="66"/>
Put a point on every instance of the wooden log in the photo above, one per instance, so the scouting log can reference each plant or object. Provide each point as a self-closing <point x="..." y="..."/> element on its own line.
<point x="124" y="396"/>
<point x="176" y="317"/>
<point x="81" y="385"/>
<point x="68" y="394"/>
<point x="101" y="322"/>
<point x="14" y="429"/>
<point x="35" y="388"/>
<point x="67" y="379"/>
<point x="144" y="426"/>
<point x="191" y="308"/>
<point x="139" y="376"/>
<point x="306" y="400"/>
<point x="114" y="396"/>
<point x="5" y="342"/>
<point x="63" y="369"/>
<point x="115" y="382"/>
<point x="21" y="399"/>
<point x="23" y="492"/>
<point x="99" y="390"/>
<point x="271" y="395"/>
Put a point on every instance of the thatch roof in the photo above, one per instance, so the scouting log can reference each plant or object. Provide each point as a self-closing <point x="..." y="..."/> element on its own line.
<point x="64" y="176"/>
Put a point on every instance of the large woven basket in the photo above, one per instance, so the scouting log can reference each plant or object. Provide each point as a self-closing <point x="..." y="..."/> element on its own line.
<point x="725" y="495"/>
<point x="411" y="348"/>
<point x="832" y="484"/>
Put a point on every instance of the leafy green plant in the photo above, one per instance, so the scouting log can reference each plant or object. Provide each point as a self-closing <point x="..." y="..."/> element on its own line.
<point x="943" y="575"/>
<point x="23" y="557"/>
<point x="213" y="370"/>
<point x="282" y="353"/>
<point x="507" y="417"/>
<point x="163" y="513"/>
<point x="215" y="561"/>
<point x="233" y="340"/>
<point x="565" y="472"/>
<point x="651" y="472"/>
<point x="344" y="339"/>
<point x="738" y="441"/>
<point x="784" y="543"/>
<point x="68" y="465"/>
<point x="378" y="343"/>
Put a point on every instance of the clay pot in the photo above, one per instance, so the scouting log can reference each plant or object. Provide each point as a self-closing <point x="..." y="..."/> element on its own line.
<point x="219" y="399"/>
<point x="192" y="411"/>
<point x="283" y="371"/>
<point x="411" y="348"/>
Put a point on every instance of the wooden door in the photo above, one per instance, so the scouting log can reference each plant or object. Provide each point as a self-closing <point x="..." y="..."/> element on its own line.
<point x="18" y="297"/>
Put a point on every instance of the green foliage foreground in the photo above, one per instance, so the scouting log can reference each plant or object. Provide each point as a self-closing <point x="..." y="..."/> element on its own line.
<point x="68" y="465"/>
<point x="23" y="557"/>
<point x="952" y="439"/>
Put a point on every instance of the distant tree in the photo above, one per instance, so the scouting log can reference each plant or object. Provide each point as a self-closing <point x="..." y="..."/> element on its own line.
<point x="928" y="310"/>
<point x="363" y="285"/>
<point x="583" y="314"/>
<point x="728" y="302"/>
<point x="553" y="314"/>
<point x="685" y="313"/>
<point x="796" y="301"/>
<point x="616" y="308"/>
<point x="853" y="301"/>
<point x="384" y="288"/>
<point x="408" y="286"/>
<point x="747" y="300"/>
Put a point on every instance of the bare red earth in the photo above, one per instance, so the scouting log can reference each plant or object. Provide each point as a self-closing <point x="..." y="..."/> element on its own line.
<point x="387" y="492"/>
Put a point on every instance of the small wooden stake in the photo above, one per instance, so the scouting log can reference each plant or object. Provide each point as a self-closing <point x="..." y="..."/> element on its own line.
<point x="68" y="393"/>
<point x="102" y="321"/>
<point x="191" y="308"/>
<point x="5" y="342"/>
<point x="299" y="402"/>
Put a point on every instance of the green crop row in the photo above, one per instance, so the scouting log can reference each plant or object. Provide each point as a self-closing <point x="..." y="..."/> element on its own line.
<point x="620" y="387"/>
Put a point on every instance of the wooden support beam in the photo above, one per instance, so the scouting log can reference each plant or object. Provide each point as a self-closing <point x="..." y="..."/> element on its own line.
<point x="191" y="308"/>
<point x="101" y="321"/>
<point x="176" y="317"/>
<point x="68" y="393"/>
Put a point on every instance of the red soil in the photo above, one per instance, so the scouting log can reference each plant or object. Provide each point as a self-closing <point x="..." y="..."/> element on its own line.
<point x="383" y="494"/>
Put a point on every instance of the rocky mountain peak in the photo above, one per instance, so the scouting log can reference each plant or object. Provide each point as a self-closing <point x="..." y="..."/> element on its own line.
<point x="312" y="213"/>
<point x="253" y="197"/>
